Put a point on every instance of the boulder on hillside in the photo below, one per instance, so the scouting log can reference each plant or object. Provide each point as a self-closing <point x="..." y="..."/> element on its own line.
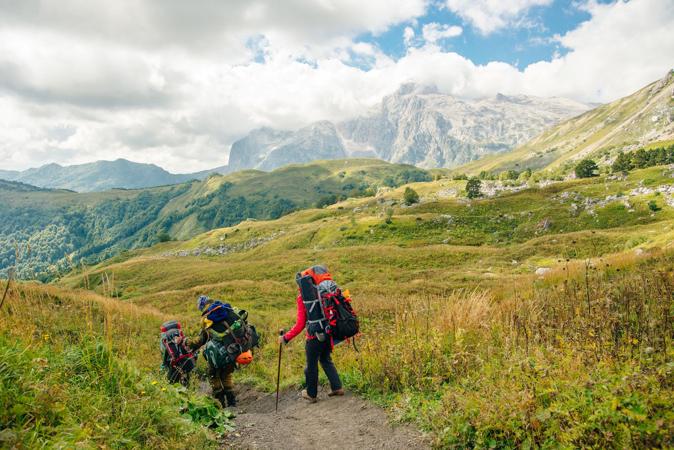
<point x="542" y="271"/>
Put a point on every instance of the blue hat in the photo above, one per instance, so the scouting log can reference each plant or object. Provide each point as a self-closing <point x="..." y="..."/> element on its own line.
<point x="202" y="301"/>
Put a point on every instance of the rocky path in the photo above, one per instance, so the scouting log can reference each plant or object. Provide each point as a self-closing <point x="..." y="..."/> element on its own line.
<point x="333" y="423"/>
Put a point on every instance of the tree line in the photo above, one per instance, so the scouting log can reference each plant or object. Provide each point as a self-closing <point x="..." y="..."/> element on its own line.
<point x="642" y="158"/>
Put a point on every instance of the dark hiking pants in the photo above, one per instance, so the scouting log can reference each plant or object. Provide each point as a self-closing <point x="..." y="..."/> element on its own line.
<point x="221" y="380"/>
<point x="319" y="352"/>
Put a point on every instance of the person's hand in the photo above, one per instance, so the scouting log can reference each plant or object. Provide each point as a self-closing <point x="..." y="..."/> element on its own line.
<point x="281" y="340"/>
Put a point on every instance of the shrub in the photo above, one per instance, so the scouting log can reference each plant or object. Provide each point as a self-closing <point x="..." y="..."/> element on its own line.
<point x="525" y="175"/>
<point x="326" y="200"/>
<point x="410" y="196"/>
<point x="389" y="215"/>
<point x="508" y="175"/>
<point x="653" y="206"/>
<point x="484" y="175"/>
<point x="473" y="188"/>
<point x="586" y="169"/>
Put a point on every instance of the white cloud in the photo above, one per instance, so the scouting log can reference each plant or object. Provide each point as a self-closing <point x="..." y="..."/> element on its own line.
<point x="433" y="32"/>
<point x="408" y="36"/>
<point x="72" y="92"/>
<point x="491" y="15"/>
<point x="163" y="81"/>
<point x="624" y="46"/>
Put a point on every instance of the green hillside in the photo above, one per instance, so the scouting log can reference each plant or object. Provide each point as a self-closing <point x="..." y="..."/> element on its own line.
<point x="532" y="318"/>
<point x="52" y="231"/>
<point x="641" y="119"/>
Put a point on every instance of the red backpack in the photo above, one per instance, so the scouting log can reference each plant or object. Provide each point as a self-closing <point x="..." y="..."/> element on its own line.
<point x="329" y="310"/>
<point x="177" y="359"/>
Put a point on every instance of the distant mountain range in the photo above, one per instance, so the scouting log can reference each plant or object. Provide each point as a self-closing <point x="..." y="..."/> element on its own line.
<point x="416" y="125"/>
<point x="643" y="118"/>
<point x="102" y="175"/>
<point x="420" y="126"/>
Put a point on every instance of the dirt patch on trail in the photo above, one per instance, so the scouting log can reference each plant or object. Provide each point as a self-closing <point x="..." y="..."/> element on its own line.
<point x="333" y="423"/>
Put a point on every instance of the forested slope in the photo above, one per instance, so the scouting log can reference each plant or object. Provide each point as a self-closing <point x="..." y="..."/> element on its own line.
<point x="45" y="232"/>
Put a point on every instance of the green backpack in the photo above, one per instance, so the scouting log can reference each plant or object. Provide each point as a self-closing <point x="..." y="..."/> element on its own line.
<point x="223" y="348"/>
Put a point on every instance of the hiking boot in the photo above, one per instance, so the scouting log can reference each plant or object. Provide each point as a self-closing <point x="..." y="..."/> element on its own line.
<point x="308" y="398"/>
<point x="231" y="399"/>
<point x="336" y="393"/>
<point x="222" y="399"/>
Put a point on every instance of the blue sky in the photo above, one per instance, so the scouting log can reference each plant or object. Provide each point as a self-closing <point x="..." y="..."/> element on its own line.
<point x="516" y="45"/>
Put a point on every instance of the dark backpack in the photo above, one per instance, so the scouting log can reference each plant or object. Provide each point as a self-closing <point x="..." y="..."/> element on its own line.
<point x="177" y="359"/>
<point x="223" y="347"/>
<point x="346" y="324"/>
<point x="329" y="310"/>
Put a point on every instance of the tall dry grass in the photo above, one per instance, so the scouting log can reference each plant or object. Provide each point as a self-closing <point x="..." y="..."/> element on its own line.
<point x="511" y="366"/>
<point x="46" y="313"/>
<point x="418" y="342"/>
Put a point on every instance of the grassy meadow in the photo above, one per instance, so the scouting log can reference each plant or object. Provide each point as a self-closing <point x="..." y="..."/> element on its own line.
<point x="79" y="370"/>
<point x="460" y="336"/>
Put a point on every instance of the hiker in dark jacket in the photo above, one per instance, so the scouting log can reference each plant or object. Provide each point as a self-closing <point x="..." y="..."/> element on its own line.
<point x="316" y="351"/>
<point x="214" y="315"/>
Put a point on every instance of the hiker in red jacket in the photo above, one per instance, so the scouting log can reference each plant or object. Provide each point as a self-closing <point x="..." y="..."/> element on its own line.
<point x="318" y="349"/>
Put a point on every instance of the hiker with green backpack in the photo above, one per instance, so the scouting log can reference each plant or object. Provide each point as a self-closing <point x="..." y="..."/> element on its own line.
<point x="327" y="314"/>
<point x="227" y="338"/>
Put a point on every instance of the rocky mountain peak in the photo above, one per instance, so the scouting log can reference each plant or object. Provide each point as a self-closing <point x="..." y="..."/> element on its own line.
<point x="417" y="125"/>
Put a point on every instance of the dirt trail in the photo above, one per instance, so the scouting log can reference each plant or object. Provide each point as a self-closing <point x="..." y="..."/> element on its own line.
<point x="333" y="423"/>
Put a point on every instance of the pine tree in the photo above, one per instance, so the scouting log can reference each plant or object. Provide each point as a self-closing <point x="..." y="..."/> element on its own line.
<point x="623" y="163"/>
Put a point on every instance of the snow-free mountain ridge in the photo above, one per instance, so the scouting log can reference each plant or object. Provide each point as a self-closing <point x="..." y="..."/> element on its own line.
<point x="102" y="175"/>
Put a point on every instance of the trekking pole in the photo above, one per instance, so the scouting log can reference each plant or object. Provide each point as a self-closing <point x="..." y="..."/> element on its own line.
<point x="278" y="373"/>
<point x="10" y="274"/>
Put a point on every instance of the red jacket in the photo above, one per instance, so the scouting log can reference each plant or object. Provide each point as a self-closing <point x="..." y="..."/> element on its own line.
<point x="300" y="323"/>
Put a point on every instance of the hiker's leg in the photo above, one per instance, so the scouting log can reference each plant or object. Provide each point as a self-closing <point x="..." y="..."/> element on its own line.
<point x="329" y="367"/>
<point x="173" y="375"/>
<point x="217" y="385"/>
<point x="228" y="384"/>
<point x="313" y="351"/>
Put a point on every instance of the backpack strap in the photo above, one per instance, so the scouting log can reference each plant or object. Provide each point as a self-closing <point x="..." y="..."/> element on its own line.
<point x="180" y="358"/>
<point x="315" y="303"/>
<point x="168" y="348"/>
<point x="230" y="331"/>
<point x="353" y="342"/>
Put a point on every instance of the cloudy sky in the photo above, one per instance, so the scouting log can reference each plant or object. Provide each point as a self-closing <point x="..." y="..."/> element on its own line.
<point x="175" y="82"/>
